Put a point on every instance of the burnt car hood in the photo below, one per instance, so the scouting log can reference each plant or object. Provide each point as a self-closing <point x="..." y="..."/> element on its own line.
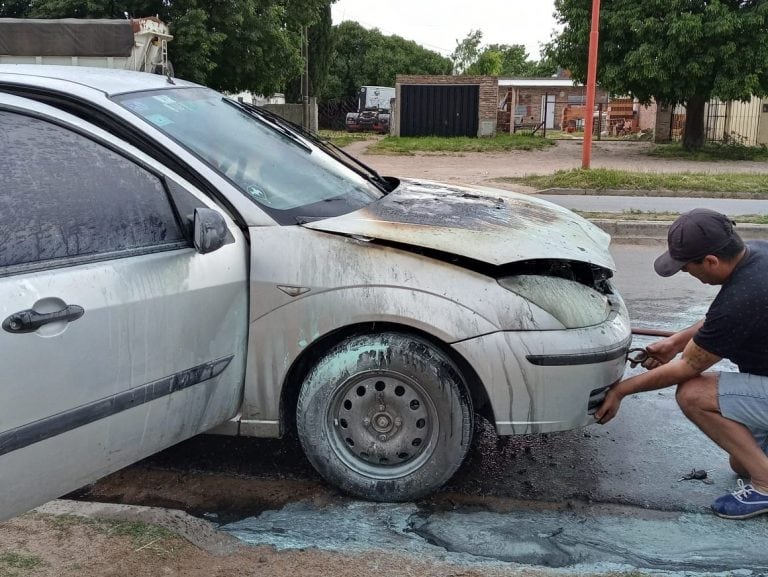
<point x="485" y="224"/>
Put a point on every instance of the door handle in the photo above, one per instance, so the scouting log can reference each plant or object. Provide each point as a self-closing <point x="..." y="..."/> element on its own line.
<point x="29" y="321"/>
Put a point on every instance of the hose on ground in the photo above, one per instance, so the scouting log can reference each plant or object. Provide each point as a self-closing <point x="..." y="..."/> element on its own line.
<point x="651" y="332"/>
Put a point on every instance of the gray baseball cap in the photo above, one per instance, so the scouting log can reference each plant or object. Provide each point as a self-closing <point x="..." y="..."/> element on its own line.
<point x="693" y="236"/>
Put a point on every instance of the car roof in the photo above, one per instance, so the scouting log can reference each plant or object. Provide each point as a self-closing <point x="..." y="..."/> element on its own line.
<point x="106" y="80"/>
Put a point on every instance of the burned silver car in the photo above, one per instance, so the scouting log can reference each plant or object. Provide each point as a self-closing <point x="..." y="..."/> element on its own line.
<point x="174" y="262"/>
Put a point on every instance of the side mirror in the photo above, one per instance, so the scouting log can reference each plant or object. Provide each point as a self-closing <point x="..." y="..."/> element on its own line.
<point x="210" y="230"/>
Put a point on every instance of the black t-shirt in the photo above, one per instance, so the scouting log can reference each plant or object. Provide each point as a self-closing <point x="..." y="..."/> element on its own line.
<point x="736" y="325"/>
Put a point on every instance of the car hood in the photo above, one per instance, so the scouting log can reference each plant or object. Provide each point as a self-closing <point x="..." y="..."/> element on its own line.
<point x="485" y="224"/>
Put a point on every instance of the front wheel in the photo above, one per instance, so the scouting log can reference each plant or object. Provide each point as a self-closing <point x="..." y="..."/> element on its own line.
<point x="385" y="417"/>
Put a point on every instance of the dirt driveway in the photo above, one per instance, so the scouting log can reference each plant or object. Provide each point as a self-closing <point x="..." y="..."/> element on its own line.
<point x="482" y="168"/>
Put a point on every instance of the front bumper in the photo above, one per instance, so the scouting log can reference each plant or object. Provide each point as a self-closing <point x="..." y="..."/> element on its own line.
<point x="547" y="381"/>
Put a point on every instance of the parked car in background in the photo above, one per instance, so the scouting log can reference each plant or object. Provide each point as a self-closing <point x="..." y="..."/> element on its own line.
<point x="173" y="261"/>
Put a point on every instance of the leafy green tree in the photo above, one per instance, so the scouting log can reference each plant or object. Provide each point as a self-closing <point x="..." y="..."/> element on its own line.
<point x="321" y="49"/>
<point x="488" y="63"/>
<point x="15" y="8"/>
<point x="195" y="46"/>
<point x="673" y="51"/>
<point x="467" y="52"/>
<point x="543" y="68"/>
<point x="79" y="8"/>
<point x="365" y="57"/>
<point x="353" y="43"/>
<point x="471" y="57"/>
<point x="517" y="62"/>
<point x="259" y="52"/>
<point x="514" y="59"/>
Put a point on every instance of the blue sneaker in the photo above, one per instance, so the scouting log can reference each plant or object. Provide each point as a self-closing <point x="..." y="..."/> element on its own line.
<point x="743" y="503"/>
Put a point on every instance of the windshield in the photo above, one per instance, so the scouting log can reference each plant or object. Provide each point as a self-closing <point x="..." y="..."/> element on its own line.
<point x="291" y="178"/>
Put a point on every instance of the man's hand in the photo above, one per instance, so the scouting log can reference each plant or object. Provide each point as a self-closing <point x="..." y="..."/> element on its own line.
<point x="695" y="360"/>
<point x="610" y="407"/>
<point x="667" y="349"/>
<point x="661" y="352"/>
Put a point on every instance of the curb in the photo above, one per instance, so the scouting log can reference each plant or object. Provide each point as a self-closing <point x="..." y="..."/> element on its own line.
<point x="655" y="232"/>
<point x="652" y="193"/>
<point x="199" y="532"/>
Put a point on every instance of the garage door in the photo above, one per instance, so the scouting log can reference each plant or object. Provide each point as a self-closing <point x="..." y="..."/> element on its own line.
<point x="439" y="110"/>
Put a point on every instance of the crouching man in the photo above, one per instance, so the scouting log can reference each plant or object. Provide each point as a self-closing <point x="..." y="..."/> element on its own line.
<point x="730" y="408"/>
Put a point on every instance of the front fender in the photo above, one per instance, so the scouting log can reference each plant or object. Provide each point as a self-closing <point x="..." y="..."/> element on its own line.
<point x="290" y="329"/>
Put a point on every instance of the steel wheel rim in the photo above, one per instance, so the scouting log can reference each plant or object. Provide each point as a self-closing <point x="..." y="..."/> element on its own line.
<point x="382" y="424"/>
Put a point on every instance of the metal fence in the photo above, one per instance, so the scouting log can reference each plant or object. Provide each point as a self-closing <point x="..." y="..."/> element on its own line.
<point x="332" y="114"/>
<point x="724" y="122"/>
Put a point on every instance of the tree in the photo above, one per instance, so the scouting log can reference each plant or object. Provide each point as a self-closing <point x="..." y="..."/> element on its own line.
<point x="14" y="9"/>
<point x="517" y="62"/>
<point x="471" y="57"/>
<point x="672" y="51"/>
<point x="514" y="59"/>
<point x="260" y="52"/>
<point x="321" y="50"/>
<point x="467" y="51"/>
<point x="489" y="63"/>
<point x="365" y="57"/>
<point x="195" y="47"/>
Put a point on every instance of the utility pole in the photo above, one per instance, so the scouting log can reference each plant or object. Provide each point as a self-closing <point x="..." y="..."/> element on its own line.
<point x="305" y="77"/>
<point x="586" y="158"/>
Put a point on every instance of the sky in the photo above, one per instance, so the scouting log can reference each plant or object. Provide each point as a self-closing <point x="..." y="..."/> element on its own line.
<point x="438" y="24"/>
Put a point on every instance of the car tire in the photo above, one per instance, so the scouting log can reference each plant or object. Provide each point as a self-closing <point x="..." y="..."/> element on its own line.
<point x="385" y="417"/>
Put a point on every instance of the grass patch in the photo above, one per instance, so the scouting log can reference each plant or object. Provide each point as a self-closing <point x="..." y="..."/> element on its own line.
<point x="63" y="522"/>
<point x="407" y="145"/>
<point x="601" y="179"/>
<point x="646" y="136"/>
<point x="12" y="560"/>
<point x="711" y="152"/>
<point x="143" y="536"/>
<point x="140" y="533"/>
<point x="579" y="135"/>
<point x="635" y="214"/>
<point x="563" y="135"/>
<point x="341" y="138"/>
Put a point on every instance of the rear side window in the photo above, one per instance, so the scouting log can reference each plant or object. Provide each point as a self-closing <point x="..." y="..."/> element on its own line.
<point x="65" y="196"/>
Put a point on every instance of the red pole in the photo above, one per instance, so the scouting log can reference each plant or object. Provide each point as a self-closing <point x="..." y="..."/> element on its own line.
<point x="586" y="158"/>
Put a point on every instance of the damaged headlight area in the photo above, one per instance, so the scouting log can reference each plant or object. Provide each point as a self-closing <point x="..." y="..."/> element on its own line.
<point x="576" y="294"/>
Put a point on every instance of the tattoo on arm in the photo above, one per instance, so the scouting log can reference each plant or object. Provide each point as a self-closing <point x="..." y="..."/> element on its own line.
<point x="697" y="358"/>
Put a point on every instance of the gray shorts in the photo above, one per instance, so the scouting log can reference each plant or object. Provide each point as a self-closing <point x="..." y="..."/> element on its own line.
<point x="744" y="399"/>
